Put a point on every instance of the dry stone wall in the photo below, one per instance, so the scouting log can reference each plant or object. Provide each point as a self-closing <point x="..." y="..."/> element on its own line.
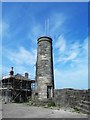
<point x="77" y="99"/>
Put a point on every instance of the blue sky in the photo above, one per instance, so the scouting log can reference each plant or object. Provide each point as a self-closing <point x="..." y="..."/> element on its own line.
<point x="24" y="23"/>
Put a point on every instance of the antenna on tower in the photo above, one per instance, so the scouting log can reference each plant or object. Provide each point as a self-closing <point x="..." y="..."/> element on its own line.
<point x="47" y="27"/>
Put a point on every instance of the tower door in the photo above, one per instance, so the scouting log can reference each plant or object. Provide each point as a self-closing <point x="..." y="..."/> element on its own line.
<point x="48" y="91"/>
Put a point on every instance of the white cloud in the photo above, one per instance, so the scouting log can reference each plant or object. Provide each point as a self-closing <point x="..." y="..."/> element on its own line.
<point x="22" y="60"/>
<point x="85" y="45"/>
<point x="71" y="57"/>
<point x="74" y="74"/>
<point x="56" y="21"/>
<point x="61" y="44"/>
<point x="22" y="56"/>
<point x="37" y="30"/>
<point x="71" y="52"/>
<point x="75" y="53"/>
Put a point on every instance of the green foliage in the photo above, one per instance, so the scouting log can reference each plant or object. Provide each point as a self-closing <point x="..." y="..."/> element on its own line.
<point x="76" y="109"/>
<point x="51" y="103"/>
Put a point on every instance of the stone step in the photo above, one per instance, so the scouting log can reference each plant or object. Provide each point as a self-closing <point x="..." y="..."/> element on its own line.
<point x="86" y="102"/>
<point x="85" y="106"/>
<point x="82" y="110"/>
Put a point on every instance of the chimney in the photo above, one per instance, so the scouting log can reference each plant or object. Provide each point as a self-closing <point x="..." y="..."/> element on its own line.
<point x="26" y="75"/>
<point x="11" y="72"/>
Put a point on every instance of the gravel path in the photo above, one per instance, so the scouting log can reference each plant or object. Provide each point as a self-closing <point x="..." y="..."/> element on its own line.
<point x="13" y="110"/>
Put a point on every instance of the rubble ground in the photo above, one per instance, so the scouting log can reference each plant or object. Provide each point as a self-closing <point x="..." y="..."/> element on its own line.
<point x="15" y="110"/>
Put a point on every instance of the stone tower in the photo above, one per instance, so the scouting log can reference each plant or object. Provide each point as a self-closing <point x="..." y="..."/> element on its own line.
<point x="44" y="69"/>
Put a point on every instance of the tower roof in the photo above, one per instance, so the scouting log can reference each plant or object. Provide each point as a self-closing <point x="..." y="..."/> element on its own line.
<point x="44" y="38"/>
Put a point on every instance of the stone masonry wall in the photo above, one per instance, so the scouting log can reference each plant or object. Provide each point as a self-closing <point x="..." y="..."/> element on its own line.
<point x="44" y="68"/>
<point x="77" y="99"/>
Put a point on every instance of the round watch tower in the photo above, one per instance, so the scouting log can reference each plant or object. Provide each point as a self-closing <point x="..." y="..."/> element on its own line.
<point x="44" y="68"/>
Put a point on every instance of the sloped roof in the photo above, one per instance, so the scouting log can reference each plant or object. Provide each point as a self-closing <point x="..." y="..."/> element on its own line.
<point x="19" y="76"/>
